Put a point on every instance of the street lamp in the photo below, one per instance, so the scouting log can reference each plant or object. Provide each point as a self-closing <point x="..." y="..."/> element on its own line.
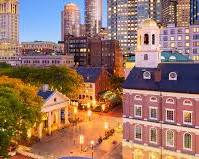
<point x="106" y="126"/>
<point x="81" y="140"/>
<point x="89" y="114"/>
<point x="92" y="147"/>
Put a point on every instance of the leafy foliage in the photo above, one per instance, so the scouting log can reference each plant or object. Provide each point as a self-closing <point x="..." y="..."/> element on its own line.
<point x="64" y="79"/>
<point x="19" y="110"/>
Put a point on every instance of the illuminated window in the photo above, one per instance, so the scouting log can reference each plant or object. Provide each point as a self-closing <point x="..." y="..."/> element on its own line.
<point x="187" y="117"/>
<point x="187" y="144"/>
<point x="169" y="138"/>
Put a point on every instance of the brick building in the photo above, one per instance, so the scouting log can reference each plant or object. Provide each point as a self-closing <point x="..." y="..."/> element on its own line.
<point x="96" y="52"/>
<point x="96" y="80"/>
<point x="160" y="104"/>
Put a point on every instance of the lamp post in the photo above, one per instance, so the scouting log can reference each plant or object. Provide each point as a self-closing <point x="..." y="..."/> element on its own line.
<point x="92" y="148"/>
<point x="81" y="140"/>
<point x="89" y="115"/>
<point x="106" y="126"/>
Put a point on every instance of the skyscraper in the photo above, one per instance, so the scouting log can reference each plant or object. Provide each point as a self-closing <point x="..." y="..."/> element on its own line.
<point x="124" y="16"/>
<point x="169" y="10"/>
<point x="9" y="21"/>
<point x="183" y="13"/>
<point x="93" y="17"/>
<point x="194" y="12"/>
<point x="70" y="24"/>
<point x="9" y="27"/>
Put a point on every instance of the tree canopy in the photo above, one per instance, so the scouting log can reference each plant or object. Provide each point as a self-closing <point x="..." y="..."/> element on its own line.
<point x="63" y="79"/>
<point x="20" y="109"/>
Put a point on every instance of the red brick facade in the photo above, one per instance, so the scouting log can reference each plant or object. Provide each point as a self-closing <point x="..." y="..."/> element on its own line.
<point x="161" y="102"/>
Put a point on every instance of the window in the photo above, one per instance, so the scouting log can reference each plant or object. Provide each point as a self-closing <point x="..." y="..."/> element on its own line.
<point x="169" y="138"/>
<point x="146" y="57"/>
<point x="153" y="99"/>
<point x="170" y="101"/>
<point x="153" y="111"/>
<point x="173" y="76"/>
<point x="146" y="39"/>
<point x="153" y="135"/>
<point x="187" y="102"/>
<point x="170" y="115"/>
<point x="55" y="99"/>
<point x="138" y="133"/>
<point x="137" y="97"/>
<point x="146" y="75"/>
<point x="187" y="141"/>
<point x="187" y="117"/>
<point x="153" y="39"/>
<point x="138" y="111"/>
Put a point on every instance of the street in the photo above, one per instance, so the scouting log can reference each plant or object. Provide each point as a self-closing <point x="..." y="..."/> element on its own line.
<point x="66" y="142"/>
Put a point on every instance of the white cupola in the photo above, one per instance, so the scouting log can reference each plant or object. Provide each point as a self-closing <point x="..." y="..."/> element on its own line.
<point x="148" y="54"/>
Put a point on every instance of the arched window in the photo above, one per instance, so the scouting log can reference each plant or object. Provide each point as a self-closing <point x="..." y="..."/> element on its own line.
<point x="170" y="101"/>
<point x="146" y="57"/>
<point x="146" y="39"/>
<point x="187" y="141"/>
<point x="138" y="132"/>
<point x="153" y="39"/>
<point x="187" y="102"/>
<point x="153" y="99"/>
<point x="137" y="97"/>
<point x="169" y="138"/>
<point x="153" y="135"/>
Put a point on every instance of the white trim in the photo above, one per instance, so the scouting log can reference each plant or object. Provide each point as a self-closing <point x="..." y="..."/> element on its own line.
<point x="135" y="133"/>
<point x="138" y="97"/>
<point x="187" y="123"/>
<point x="188" y="149"/>
<point x="152" y="118"/>
<point x="156" y="136"/>
<point x="171" y="121"/>
<point x="169" y="102"/>
<point x="135" y="106"/>
<point x="187" y="104"/>
<point x="158" y="93"/>
<point x="173" y="138"/>
<point x="160" y="125"/>
<point x="156" y="99"/>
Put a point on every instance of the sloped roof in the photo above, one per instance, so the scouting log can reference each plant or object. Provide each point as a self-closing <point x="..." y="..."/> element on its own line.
<point x="45" y="94"/>
<point x="187" y="78"/>
<point x="90" y="74"/>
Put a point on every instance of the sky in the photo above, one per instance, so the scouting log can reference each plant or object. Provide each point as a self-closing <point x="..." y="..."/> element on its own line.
<point x="41" y="19"/>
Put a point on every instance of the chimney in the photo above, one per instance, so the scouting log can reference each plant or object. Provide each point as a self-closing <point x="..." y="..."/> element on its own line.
<point x="158" y="75"/>
<point x="45" y="88"/>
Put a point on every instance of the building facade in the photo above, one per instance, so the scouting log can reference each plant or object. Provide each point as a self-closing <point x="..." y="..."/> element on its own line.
<point x="96" y="52"/>
<point x="183" y="13"/>
<point x="160" y="106"/>
<point x="194" y="13"/>
<point x="169" y="10"/>
<point x="9" y="27"/>
<point x="185" y="40"/>
<point x="41" y="47"/>
<point x="96" y="80"/>
<point x="93" y="17"/>
<point x="70" y="20"/>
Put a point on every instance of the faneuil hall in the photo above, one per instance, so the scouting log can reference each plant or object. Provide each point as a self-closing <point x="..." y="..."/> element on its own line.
<point x="160" y="103"/>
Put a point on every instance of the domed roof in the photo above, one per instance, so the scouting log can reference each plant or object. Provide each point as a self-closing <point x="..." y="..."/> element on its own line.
<point x="149" y="23"/>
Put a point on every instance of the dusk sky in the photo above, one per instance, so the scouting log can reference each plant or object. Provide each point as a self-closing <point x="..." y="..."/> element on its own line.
<point x="41" y="19"/>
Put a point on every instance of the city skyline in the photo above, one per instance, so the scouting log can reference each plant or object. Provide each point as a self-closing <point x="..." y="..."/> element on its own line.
<point x="33" y="25"/>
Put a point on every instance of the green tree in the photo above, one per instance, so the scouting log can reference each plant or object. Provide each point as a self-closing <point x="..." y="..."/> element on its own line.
<point x="64" y="79"/>
<point x="20" y="109"/>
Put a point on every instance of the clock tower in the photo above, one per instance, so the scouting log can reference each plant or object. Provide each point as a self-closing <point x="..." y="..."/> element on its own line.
<point x="148" y="54"/>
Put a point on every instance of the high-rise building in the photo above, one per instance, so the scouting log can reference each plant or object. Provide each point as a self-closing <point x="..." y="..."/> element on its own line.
<point x="9" y="26"/>
<point x="194" y="12"/>
<point x="124" y="17"/>
<point x="169" y="10"/>
<point x="183" y="13"/>
<point x="70" y="24"/>
<point x="93" y="17"/>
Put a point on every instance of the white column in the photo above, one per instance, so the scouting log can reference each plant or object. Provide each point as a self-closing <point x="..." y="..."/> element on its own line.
<point x="49" y="123"/>
<point x="40" y="130"/>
